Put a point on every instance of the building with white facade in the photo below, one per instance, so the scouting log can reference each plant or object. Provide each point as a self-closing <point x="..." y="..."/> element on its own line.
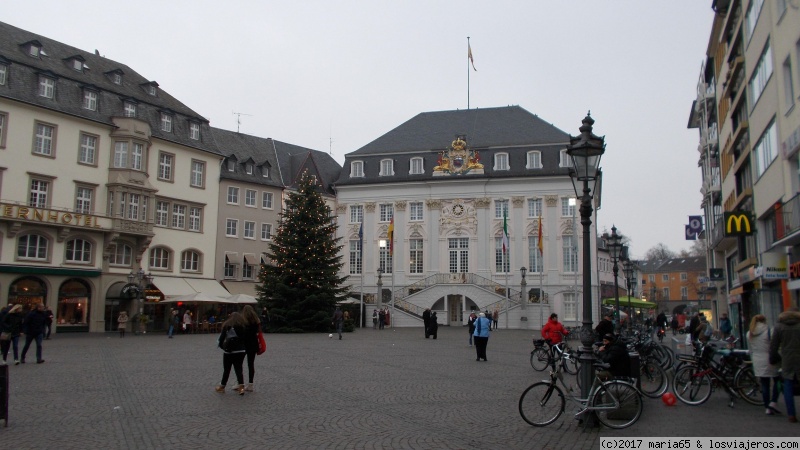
<point x="444" y="185"/>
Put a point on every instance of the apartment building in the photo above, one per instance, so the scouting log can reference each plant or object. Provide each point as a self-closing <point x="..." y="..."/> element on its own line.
<point x="749" y="130"/>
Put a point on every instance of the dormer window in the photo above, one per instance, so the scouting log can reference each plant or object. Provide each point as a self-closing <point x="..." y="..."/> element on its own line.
<point x="534" y="160"/>
<point x="231" y="165"/>
<point x="115" y="76"/>
<point x="151" y="88"/>
<point x="564" y="160"/>
<point x="249" y="168"/>
<point x="194" y="131"/>
<point x="357" y="169"/>
<point x="416" y="166"/>
<point x="89" y="100"/>
<point x="166" y="122"/>
<point x="3" y="74"/>
<point x="501" y="161"/>
<point x="47" y="86"/>
<point x="34" y="50"/>
<point x="387" y="167"/>
<point x="265" y="171"/>
<point x="130" y="109"/>
<point x="77" y="65"/>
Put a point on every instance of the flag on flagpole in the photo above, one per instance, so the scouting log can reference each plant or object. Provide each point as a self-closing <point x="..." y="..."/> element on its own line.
<point x="539" y="243"/>
<point x="505" y="232"/>
<point x="390" y="235"/>
<point x="469" y="55"/>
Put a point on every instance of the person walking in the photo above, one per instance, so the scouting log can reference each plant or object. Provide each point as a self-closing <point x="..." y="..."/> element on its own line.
<point x="375" y="319"/>
<point x="251" y="343"/>
<point x="174" y="321"/>
<point x="471" y="325"/>
<point x="187" y="322"/>
<point x="232" y="341"/>
<point x="481" y="335"/>
<point x="33" y="327"/>
<point x="434" y="326"/>
<point x="381" y="319"/>
<point x="12" y="324"/>
<point x="495" y="317"/>
<point x="338" y="321"/>
<point x="49" y="324"/>
<point x="606" y="326"/>
<point x="785" y="349"/>
<point x="122" y="322"/>
<point x="725" y="326"/>
<point x="759" y="338"/>
<point x="426" y="321"/>
<point x="674" y="324"/>
<point x="703" y="331"/>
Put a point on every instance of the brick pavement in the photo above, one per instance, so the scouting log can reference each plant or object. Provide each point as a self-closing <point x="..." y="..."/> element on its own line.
<point x="373" y="389"/>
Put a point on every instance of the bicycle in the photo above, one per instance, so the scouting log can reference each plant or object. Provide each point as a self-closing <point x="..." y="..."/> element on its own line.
<point x="696" y="380"/>
<point x="617" y="402"/>
<point x="542" y="357"/>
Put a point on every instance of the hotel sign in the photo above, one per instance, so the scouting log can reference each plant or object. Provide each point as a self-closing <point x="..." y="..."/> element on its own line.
<point x="52" y="217"/>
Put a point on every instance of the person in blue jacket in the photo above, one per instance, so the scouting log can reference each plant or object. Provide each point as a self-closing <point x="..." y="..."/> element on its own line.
<point x="481" y="335"/>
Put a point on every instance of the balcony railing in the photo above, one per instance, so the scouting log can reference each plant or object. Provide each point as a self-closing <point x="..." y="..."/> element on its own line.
<point x="787" y="218"/>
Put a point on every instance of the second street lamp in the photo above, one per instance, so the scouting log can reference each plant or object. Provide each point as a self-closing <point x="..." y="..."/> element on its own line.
<point x="614" y="245"/>
<point x="629" y="269"/>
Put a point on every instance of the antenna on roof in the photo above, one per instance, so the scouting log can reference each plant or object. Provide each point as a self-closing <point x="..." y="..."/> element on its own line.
<point x="330" y="140"/>
<point x="239" y="119"/>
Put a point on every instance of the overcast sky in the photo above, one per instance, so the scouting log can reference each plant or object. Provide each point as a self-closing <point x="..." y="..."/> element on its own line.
<point x="335" y="75"/>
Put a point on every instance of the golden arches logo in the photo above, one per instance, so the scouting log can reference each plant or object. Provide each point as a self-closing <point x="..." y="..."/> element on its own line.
<point x="738" y="224"/>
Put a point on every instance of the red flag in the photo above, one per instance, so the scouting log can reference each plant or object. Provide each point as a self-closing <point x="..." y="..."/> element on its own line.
<point x="390" y="235"/>
<point x="539" y="243"/>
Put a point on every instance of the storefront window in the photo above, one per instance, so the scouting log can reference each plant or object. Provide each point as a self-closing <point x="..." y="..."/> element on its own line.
<point x="27" y="291"/>
<point x="73" y="303"/>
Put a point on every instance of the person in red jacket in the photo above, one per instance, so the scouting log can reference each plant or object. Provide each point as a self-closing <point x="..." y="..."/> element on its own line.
<point x="552" y="331"/>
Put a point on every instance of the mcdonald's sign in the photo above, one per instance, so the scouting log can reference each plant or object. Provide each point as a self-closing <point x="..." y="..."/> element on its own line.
<point x="739" y="223"/>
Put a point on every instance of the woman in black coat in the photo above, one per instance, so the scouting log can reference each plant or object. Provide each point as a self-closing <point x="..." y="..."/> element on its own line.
<point x="251" y="343"/>
<point x="233" y="344"/>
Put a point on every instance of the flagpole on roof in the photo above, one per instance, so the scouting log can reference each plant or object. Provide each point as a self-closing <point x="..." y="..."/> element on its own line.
<point x="540" y="244"/>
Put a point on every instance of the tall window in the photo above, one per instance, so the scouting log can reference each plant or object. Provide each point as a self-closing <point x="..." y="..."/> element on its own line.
<point x="567" y="210"/>
<point x="766" y="149"/>
<point x="356" y="214"/>
<point x="159" y="258"/>
<point x="121" y="255"/>
<point x="231" y="165"/>
<point x="500" y="209"/>
<point x="250" y="198"/>
<point x="47" y="87"/>
<point x="266" y="200"/>
<point x="751" y="17"/>
<point x="563" y="159"/>
<point x="570" y="253"/>
<point x="88" y="149"/>
<point x="386" y="212"/>
<point x="570" y="306"/>
<point x="231" y="226"/>
<point x="415" y="256"/>
<point x="197" y="177"/>
<point x="190" y="261"/>
<point x="355" y="257"/>
<point x="684" y="293"/>
<point x="90" y="100"/>
<point x="665" y="293"/>
<point x="229" y="269"/>
<point x="760" y="76"/>
<point x="501" y="161"/>
<point x="166" y="122"/>
<point x="162" y="214"/>
<point x="248" y="168"/>
<point x="121" y="155"/>
<point x="233" y="195"/>
<point x="501" y="260"/>
<point x="458" y="249"/>
<point x="32" y="246"/>
<point x="416" y="166"/>
<point x="247" y="271"/>
<point x="39" y="193"/>
<point x="415" y="211"/>
<point x="535" y="264"/>
<point x="3" y="121"/>
<point x="3" y="74"/>
<point x="387" y="167"/>
<point x="788" y="86"/>
<point x="534" y="207"/>
<point x="266" y="231"/>
<point x="194" y="131"/>
<point x="195" y="218"/>
<point x="534" y="160"/>
<point x="357" y="171"/>
<point x="179" y="216"/>
<point x="165" y="163"/>
<point x="249" y="231"/>
<point x="83" y="200"/>
<point x="45" y="136"/>
<point x="79" y="251"/>
<point x="130" y="109"/>
<point x="137" y="156"/>
<point x="385" y="260"/>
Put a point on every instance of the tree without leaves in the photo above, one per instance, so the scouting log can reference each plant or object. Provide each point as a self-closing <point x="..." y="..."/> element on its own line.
<point x="302" y="285"/>
<point x="659" y="252"/>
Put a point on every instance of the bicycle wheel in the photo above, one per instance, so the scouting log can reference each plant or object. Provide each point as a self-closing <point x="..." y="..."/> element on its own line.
<point x="691" y="386"/>
<point x="671" y="353"/>
<point x="625" y="400"/>
<point x="748" y="386"/>
<point x="653" y="379"/>
<point x="662" y="355"/>
<point x="571" y="365"/>
<point x="539" y="359"/>
<point x="541" y="404"/>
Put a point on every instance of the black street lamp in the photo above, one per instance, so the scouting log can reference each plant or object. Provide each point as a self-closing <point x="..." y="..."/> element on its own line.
<point x="630" y="277"/>
<point x="380" y="288"/>
<point x="614" y="245"/>
<point x="141" y="280"/>
<point x="523" y="299"/>
<point x="585" y="150"/>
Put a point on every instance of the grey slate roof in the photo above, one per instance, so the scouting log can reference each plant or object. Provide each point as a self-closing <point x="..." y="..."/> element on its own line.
<point x="687" y="264"/>
<point x="285" y="161"/>
<point x="511" y="130"/>
<point x="23" y="79"/>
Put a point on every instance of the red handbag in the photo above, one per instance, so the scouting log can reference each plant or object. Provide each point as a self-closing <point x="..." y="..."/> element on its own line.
<point x="262" y="344"/>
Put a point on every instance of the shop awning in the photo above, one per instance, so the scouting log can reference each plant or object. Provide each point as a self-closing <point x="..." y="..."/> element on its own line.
<point x="629" y="301"/>
<point x="210" y="287"/>
<point x="173" y="287"/>
<point x="241" y="287"/>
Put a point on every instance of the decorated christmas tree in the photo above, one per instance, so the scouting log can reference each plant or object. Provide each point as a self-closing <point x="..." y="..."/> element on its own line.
<point x="301" y="284"/>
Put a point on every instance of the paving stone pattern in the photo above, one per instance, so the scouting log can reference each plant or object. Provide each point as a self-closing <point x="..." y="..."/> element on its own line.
<point x="373" y="389"/>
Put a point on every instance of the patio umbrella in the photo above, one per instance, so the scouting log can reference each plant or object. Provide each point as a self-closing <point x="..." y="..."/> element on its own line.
<point x="241" y="299"/>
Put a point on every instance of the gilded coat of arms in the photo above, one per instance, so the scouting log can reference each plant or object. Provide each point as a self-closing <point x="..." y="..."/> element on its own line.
<point x="458" y="159"/>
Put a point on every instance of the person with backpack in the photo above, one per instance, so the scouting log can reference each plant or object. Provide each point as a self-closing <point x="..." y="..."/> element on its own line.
<point x="232" y="341"/>
<point x="704" y="330"/>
